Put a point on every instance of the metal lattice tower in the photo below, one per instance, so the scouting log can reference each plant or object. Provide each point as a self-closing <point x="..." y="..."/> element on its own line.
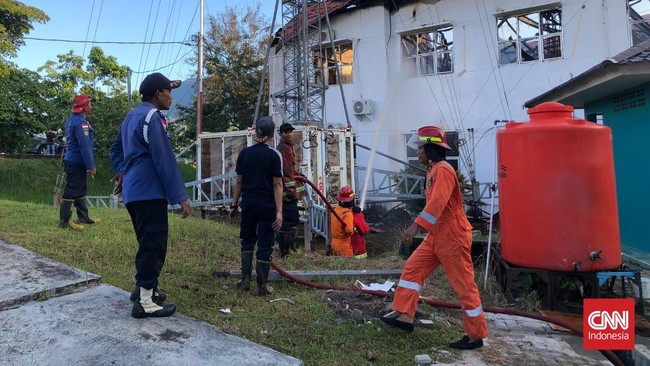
<point x="303" y="80"/>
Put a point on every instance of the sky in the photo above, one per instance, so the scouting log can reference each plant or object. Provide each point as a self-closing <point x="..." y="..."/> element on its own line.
<point x="89" y="21"/>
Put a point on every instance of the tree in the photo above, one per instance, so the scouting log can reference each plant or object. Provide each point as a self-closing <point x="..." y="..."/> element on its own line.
<point x="16" y="20"/>
<point x="23" y="108"/>
<point x="234" y="60"/>
<point x="70" y="76"/>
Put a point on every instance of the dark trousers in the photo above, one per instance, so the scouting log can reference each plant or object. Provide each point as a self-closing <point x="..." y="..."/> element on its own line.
<point x="149" y="220"/>
<point x="257" y="216"/>
<point x="290" y="215"/>
<point x="76" y="180"/>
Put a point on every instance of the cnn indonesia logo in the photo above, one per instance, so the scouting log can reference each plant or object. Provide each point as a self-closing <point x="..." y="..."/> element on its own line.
<point x="608" y="324"/>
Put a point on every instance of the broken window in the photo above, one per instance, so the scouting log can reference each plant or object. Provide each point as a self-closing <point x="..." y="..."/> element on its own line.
<point x="639" y="15"/>
<point x="530" y="36"/>
<point x="428" y="53"/>
<point x="325" y="61"/>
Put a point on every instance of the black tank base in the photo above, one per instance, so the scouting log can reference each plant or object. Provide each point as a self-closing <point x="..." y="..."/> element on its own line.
<point x="564" y="291"/>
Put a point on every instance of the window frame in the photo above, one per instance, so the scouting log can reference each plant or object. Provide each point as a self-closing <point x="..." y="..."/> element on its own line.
<point x="542" y="40"/>
<point x="429" y="49"/>
<point x="636" y="23"/>
<point x="323" y="62"/>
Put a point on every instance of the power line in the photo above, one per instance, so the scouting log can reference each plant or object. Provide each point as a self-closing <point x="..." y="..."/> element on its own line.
<point x="104" y="42"/>
<point x="162" y="67"/>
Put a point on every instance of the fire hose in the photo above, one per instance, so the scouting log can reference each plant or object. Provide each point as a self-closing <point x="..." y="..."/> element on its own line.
<point x="611" y="356"/>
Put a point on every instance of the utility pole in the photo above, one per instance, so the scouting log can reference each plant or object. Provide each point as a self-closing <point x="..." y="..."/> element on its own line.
<point x="199" y="97"/>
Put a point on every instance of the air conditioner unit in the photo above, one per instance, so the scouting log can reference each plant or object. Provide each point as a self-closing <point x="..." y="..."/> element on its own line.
<point x="324" y="36"/>
<point x="362" y="107"/>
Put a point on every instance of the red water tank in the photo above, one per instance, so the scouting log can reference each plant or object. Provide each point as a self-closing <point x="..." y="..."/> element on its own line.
<point x="557" y="193"/>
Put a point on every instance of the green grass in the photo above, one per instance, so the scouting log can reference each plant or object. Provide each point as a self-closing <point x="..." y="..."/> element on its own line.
<point x="310" y="329"/>
<point x="32" y="179"/>
<point x="306" y="330"/>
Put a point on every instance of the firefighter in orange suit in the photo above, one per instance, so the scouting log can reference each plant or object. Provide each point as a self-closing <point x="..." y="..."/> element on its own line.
<point x="448" y="242"/>
<point x="341" y="244"/>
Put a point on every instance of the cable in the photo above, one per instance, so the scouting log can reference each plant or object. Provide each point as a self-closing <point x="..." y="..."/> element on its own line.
<point x="99" y="16"/>
<point x="137" y="82"/>
<point x="104" y="42"/>
<point x="92" y="10"/>
<point x="162" y="67"/>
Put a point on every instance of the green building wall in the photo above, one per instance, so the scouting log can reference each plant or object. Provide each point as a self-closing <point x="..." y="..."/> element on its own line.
<point x="628" y="115"/>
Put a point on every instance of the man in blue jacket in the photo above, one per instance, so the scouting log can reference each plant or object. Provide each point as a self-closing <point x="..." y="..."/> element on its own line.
<point x="149" y="178"/>
<point x="78" y="163"/>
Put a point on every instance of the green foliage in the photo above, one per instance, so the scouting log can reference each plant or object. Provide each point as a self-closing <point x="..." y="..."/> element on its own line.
<point x="39" y="175"/>
<point x="33" y="179"/>
<point x="23" y="109"/>
<point x="16" y="21"/>
<point x="234" y="59"/>
<point x="30" y="103"/>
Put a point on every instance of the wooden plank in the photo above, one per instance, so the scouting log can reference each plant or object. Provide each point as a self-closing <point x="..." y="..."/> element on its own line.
<point x="308" y="275"/>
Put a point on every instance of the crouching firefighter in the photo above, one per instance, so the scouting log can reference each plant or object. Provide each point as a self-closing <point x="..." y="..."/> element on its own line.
<point x="259" y="183"/>
<point x="448" y="243"/>
<point x="292" y="191"/>
<point x="78" y="163"/>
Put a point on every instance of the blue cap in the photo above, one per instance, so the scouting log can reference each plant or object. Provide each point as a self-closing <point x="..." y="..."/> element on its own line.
<point x="264" y="127"/>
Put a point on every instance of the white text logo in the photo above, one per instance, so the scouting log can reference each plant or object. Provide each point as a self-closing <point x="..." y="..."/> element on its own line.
<point x="599" y="320"/>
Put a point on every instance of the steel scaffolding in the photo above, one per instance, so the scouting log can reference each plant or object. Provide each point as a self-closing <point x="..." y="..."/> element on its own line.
<point x="303" y="93"/>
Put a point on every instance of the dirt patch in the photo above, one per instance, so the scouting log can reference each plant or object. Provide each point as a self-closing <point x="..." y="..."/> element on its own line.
<point x="351" y="305"/>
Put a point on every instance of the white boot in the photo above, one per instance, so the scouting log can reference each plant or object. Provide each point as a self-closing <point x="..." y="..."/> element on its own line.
<point x="147" y="308"/>
<point x="147" y="303"/>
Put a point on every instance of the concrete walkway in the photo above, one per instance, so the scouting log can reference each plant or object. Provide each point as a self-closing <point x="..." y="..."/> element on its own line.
<point x="82" y="322"/>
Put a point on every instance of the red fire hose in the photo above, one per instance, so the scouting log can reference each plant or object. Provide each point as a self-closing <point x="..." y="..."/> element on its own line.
<point x="611" y="356"/>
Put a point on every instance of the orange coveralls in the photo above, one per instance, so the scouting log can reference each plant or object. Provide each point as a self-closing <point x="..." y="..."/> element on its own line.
<point x="341" y="233"/>
<point x="448" y="242"/>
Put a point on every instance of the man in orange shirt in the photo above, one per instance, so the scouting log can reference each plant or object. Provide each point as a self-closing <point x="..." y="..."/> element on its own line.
<point x="340" y="232"/>
<point x="448" y="242"/>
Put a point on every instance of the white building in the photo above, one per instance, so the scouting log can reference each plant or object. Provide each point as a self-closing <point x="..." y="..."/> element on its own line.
<point x="459" y="64"/>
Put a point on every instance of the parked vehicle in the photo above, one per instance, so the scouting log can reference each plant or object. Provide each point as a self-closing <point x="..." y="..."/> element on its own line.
<point x="44" y="146"/>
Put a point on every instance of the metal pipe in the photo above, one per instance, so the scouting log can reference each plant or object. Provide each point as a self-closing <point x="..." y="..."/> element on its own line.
<point x="392" y="158"/>
<point x="266" y="65"/>
<point x="338" y="65"/>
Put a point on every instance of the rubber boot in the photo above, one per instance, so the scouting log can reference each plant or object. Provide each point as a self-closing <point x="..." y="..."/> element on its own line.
<point x="157" y="297"/>
<point x="262" y="269"/>
<point x="246" y="271"/>
<point x="283" y="243"/>
<point x="65" y="215"/>
<point x="146" y="308"/>
<point x="292" y="240"/>
<point x="82" y="212"/>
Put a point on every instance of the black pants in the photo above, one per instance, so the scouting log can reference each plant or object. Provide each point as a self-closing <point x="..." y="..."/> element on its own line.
<point x="76" y="178"/>
<point x="257" y="216"/>
<point x="290" y="215"/>
<point x="149" y="220"/>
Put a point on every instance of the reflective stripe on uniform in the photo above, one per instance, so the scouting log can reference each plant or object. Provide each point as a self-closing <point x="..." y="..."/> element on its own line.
<point x="290" y="183"/>
<point x="145" y="127"/>
<point x="473" y="313"/>
<point x="409" y="285"/>
<point x="428" y="217"/>
<point x="300" y="189"/>
<point x="359" y="256"/>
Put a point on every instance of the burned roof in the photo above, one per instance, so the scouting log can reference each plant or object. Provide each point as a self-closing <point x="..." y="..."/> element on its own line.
<point x="316" y="12"/>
